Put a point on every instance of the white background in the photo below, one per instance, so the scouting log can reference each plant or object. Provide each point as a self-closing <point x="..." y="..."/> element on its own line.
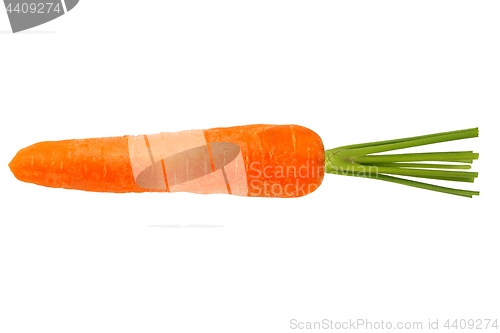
<point x="73" y="261"/>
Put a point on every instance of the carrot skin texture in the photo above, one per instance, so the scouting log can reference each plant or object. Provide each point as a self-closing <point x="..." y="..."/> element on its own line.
<point x="279" y="161"/>
<point x="99" y="165"/>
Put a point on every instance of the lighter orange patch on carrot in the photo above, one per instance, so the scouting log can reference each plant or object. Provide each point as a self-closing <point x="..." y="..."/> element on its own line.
<point x="237" y="176"/>
<point x="169" y="143"/>
<point x="139" y="154"/>
<point x="211" y="183"/>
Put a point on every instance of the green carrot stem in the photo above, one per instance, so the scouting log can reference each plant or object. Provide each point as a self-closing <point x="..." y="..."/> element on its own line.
<point x="355" y="160"/>
<point x="410" y="172"/>
<point x="378" y="143"/>
<point x="382" y="146"/>
<point x="424" y="165"/>
<point x="463" y="193"/>
<point x="463" y="180"/>
<point x="442" y="157"/>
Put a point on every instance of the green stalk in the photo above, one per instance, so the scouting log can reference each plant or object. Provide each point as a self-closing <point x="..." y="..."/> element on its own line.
<point x="464" y="193"/>
<point x="381" y="146"/>
<point x="419" y="157"/>
<point x="425" y="165"/>
<point x="357" y="160"/>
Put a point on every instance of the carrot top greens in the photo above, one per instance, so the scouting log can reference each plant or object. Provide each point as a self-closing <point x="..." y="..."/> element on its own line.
<point x="358" y="160"/>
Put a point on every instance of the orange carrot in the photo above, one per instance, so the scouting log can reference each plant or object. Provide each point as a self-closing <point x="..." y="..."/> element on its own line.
<point x="256" y="160"/>
<point x="253" y="160"/>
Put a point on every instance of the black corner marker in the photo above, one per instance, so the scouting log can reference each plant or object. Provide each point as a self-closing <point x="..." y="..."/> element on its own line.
<point x="26" y="14"/>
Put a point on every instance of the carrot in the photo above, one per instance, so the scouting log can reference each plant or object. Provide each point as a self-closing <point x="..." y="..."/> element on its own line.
<point x="253" y="160"/>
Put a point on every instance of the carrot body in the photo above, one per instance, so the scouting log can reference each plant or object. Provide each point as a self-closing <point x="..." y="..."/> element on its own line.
<point x="254" y="160"/>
